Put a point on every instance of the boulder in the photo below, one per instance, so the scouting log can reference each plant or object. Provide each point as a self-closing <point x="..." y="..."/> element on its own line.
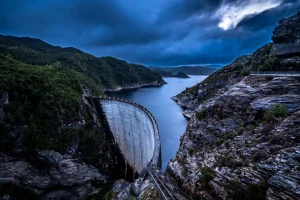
<point x="286" y="37"/>
<point x="52" y="175"/>
<point x="291" y="101"/>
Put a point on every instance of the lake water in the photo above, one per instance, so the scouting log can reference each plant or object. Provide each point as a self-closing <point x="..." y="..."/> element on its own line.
<point x="172" y="124"/>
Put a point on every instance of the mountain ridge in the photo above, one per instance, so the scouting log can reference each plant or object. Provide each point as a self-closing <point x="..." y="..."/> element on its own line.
<point x="115" y="74"/>
<point x="189" y="70"/>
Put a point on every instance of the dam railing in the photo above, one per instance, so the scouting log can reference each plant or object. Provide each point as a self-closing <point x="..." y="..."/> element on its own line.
<point x="276" y="73"/>
<point x="168" y="190"/>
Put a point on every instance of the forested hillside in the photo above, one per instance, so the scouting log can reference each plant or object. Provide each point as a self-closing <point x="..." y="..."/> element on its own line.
<point x="107" y="71"/>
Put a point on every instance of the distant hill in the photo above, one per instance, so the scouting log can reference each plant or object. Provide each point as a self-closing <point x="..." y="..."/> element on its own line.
<point x="107" y="71"/>
<point x="190" y="70"/>
<point x="164" y="73"/>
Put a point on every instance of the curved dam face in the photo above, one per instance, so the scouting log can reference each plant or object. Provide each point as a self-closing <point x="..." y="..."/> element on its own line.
<point x="134" y="131"/>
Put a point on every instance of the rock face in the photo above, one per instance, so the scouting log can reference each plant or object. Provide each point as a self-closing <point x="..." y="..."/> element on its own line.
<point x="227" y="134"/>
<point x="233" y="147"/>
<point x="138" y="189"/>
<point x="83" y="169"/>
<point x="60" y="176"/>
<point x="286" y="46"/>
<point x="286" y="37"/>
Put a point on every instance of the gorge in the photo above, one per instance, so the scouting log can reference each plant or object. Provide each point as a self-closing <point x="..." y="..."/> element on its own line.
<point x="65" y="132"/>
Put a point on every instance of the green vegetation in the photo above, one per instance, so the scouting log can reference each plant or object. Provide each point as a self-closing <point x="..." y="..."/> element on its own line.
<point x="228" y="161"/>
<point x="260" y="155"/>
<point x="207" y="174"/>
<point x="252" y="191"/>
<point x="150" y="194"/>
<point x="276" y="111"/>
<point x="44" y="84"/>
<point x="225" y="137"/>
<point x="268" y="128"/>
<point x="240" y="130"/>
<point x="193" y="89"/>
<point x="43" y="98"/>
<point x="227" y="145"/>
<point x="191" y="151"/>
<point x="181" y="75"/>
<point x="201" y="114"/>
<point x="109" y="195"/>
<point x="90" y="148"/>
<point x="47" y="111"/>
<point x="107" y="71"/>
<point x="260" y="60"/>
<point x="275" y="139"/>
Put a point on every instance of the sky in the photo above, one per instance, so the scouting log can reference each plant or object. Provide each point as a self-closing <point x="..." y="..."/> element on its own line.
<point x="150" y="32"/>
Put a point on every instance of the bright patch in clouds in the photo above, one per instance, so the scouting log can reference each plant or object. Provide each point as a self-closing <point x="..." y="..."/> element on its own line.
<point x="233" y="13"/>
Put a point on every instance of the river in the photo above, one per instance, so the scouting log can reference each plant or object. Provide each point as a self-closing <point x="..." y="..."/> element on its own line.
<point x="168" y="114"/>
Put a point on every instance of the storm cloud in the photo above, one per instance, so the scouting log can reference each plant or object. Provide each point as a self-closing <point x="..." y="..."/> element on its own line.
<point x="157" y="32"/>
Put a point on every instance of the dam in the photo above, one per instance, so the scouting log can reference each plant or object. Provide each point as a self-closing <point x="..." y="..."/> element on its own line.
<point x="133" y="131"/>
<point x="135" y="135"/>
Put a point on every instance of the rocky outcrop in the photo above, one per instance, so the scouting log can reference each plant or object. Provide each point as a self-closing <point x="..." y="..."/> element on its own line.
<point x="52" y="175"/>
<point x="286" y="37"/>
<point x="281" y="55"/>
<point x="227" y="134"/>
<point x="76" y="166"/>
<point x="234" y="146"/>
<point x="291" y="101"/>
<point x="220" y="81"/>
<point x="141" y="189"/>
<point x="286" y="43"/>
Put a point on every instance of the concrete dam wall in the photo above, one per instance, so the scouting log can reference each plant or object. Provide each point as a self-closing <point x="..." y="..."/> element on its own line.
<point x="134" y="131"/>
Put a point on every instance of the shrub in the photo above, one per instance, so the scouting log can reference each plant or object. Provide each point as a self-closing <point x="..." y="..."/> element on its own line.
<point x="275" y="111"/>
<point x="201" y="114"/>
<point x="275" y="139"/>
<point x="43" y="98"/>
<point x="240" y="131"/>
<point x="225" y="137"/>
<point x="191" y="151"/>
<point x="252" y="191"/>
<point x="207" y="174"/>
<point x="267" y="128"/>
<point x="250" y="127"/>
<point x="109" y="195"/>
<point x="220" y="141"/>
<point x="227" y="161"/>
<point x="227" y="145"/>
<point x="260" y="155"/>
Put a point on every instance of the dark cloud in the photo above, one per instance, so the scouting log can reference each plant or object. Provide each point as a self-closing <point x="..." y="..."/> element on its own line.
<point x="269" y="18"/>
<point x="157" y="32"/>
<point x="182" y="9"/>
<point x="112" y="25"/>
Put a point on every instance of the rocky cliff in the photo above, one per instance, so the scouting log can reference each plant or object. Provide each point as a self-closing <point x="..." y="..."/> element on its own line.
<point x="242" y="140"/>
<point x="52" y="144"/>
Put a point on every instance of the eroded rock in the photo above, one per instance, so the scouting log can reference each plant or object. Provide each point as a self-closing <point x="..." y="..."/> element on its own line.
<point x="232" y="140"/>
<point x="55" y="176"/>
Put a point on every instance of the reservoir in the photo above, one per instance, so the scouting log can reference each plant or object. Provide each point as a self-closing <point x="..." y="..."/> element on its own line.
<point x="172" y="124"/>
